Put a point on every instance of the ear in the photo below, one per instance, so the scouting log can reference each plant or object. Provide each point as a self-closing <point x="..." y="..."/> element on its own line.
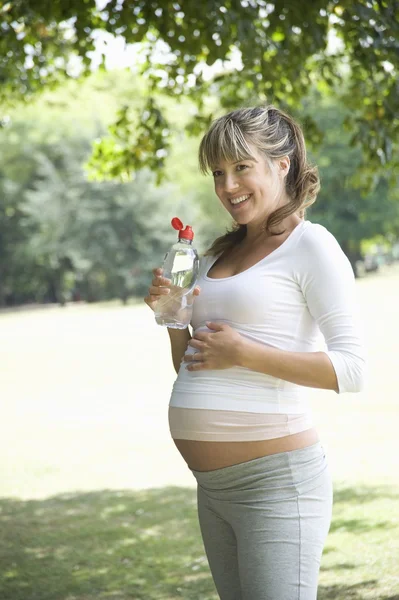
<point x="284" y="166"/>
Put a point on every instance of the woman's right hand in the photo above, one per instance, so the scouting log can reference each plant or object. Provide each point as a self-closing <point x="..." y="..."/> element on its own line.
<point x="160" y="287"/>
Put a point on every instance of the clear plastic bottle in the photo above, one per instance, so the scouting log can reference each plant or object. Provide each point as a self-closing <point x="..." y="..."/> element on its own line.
<point x="181" y="266"/>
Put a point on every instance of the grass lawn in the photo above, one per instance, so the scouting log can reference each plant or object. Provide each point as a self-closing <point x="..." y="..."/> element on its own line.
<point x="95" y="501"/>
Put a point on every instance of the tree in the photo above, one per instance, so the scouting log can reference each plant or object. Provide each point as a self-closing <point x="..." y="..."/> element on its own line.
<point x="284" y="49"/>
<point x="19" y="274"/>
<point x="61" y="232"/>
<point x="350" y="214"/>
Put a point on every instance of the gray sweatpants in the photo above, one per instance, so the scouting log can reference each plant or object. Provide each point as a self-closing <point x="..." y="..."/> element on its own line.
<point x="264" y="524"/>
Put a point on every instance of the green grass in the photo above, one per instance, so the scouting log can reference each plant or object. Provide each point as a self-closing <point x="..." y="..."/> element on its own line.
<point x="95" y="501"/>
<point x="146" y="545"/>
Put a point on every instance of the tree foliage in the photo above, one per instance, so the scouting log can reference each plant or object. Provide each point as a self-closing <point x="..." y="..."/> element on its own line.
<point x="284" y="47"/>
<point x="63" y="236"/>
<point x="342" y="206"/>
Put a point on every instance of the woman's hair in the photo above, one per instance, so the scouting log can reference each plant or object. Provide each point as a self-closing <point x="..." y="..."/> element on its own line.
<point x="274" y="134"/>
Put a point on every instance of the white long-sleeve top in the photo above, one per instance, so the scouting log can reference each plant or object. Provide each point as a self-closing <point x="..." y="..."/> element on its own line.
<point x="302" y="292"/>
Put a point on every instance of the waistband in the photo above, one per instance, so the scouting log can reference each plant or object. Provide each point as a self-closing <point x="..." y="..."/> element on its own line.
<point x="284" y="473"/>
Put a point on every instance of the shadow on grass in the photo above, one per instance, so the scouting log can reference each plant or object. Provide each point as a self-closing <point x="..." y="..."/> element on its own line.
<point x="359" y="496"/>
<point x="363" y="494"/>
<point x="358" y="591"/>
<point x="125" y="545"/>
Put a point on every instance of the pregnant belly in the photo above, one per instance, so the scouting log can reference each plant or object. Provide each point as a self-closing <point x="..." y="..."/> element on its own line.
<point x="207" y="456"/>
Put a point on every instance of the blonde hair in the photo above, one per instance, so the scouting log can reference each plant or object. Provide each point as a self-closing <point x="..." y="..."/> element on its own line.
<point x="275" y="134"/>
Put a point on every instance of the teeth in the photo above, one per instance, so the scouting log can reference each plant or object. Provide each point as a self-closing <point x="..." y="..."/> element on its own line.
<point x="240" y="199"/>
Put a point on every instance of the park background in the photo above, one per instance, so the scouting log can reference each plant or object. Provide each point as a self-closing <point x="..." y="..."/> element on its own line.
<point x="102" y="109"/>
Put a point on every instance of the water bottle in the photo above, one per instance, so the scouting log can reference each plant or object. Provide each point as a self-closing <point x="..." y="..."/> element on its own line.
<point x="181" y="266"/>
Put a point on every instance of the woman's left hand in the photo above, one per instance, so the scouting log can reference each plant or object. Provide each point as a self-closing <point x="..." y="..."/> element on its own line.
<point x="218" y="349"/>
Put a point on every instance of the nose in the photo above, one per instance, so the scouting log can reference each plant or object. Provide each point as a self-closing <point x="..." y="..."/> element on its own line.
<point x="230" y="183"/>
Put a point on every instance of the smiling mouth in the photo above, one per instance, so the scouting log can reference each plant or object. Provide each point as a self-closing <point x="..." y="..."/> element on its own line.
<point x="240" y="200"/>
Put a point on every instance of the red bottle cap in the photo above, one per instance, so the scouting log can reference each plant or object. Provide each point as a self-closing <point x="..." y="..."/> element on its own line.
<point x="187" y="233"/>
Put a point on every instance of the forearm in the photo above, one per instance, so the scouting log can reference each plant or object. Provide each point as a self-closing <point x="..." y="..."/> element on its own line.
<point x="179" y="339"/>
<point x="310" y="369"/>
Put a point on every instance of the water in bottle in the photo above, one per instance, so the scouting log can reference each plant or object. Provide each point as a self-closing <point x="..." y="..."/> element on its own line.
<point x="181" y="266"/>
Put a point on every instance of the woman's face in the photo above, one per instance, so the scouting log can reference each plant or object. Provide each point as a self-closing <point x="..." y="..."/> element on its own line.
<point x="249" y="189"/>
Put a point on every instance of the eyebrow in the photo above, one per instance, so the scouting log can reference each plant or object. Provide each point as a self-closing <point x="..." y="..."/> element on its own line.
<point x="237" y="161"/>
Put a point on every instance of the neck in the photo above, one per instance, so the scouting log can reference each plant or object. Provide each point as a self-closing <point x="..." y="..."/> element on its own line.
<point x="256" y="232"/>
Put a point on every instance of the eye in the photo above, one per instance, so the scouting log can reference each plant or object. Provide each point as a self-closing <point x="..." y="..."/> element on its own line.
<point x="242" y="167"/>
<point x="216" y="173"/>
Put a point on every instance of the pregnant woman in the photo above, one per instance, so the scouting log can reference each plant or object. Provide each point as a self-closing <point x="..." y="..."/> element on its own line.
<point x="269" y="290"/>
